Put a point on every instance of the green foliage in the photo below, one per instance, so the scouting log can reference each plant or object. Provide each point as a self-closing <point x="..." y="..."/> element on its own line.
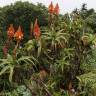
<point x="20" y="90"/>
<point x="57" y="39"/>
<point x="33" y="46"/>
<point x="8" y="65"/>
<point x="88" y="82"/>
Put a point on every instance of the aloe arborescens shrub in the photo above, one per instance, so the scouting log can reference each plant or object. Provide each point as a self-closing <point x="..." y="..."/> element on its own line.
<point x="52" y="62"/>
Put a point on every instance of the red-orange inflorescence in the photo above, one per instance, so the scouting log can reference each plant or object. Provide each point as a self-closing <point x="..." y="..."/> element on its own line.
<point x="19" y="34"/>
<point x="36" y="30"/>
<point x="56" y="9"/>
<point x="51" y="8"/>
<point x="10" y="31"/>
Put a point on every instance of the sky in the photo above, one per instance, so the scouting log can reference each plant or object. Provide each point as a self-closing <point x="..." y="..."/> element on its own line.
<point x="65" y="5"/>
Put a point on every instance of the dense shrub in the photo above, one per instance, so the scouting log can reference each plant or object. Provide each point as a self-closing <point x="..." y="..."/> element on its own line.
<point x="56" y="59"/>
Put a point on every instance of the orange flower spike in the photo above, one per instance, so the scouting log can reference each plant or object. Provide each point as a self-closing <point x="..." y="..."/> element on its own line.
<point x="10" y="31"/>
<point x="51" y="8"/>
<point x="19" y="34"/>
<point x="56" y="9"/>
<point x="36" y="30"/>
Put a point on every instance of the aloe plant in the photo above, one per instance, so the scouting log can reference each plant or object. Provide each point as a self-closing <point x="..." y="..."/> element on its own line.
<point x="8" y="64"/>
